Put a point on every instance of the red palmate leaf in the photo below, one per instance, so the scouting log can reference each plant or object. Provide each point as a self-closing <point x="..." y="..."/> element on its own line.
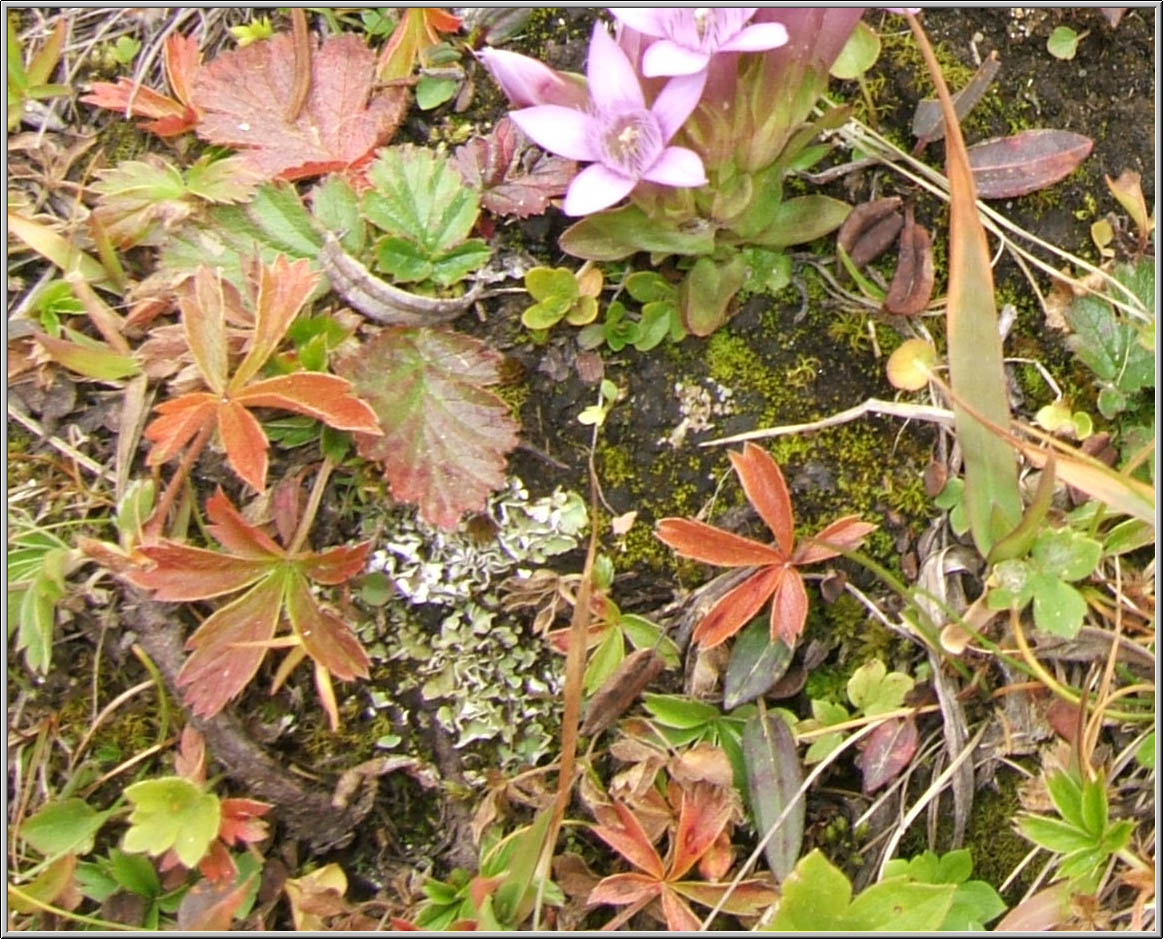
<point x="631" y="841"/>
<point x="184" y="573"/>
<point x="277" y="291"/>
<point x="243" y="97"/>
<point x="624" y="889"/>
<point x="702" y="542"/>
<point x="846" y="532"/>
<point x="181" y="418"/>
<point x="244" y="441"/>
<point x="235" y="532"/>
<point x="736" y="608"/>
<point x="789" y="608"/>
<point x="679" y="916"/>
<point x="764" y="485"/>
<point x="240" y="821"/>
<point x="704" y="814"/>
<point x="326" y="398"/>
<point x="170" y="116"/>
<point x="445" y="437"/>
<point x="324" y="636"/>
<point x="509" y="183"/>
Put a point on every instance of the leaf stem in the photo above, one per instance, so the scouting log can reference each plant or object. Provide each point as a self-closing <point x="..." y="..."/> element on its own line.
<point x="153" y="528"/>
<point x="312" y="507"/>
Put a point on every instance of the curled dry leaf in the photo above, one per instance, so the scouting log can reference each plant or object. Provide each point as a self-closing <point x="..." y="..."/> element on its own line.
<point x="618" y="692"/>
<point x="912" y="284"/>
<point x="870" y="228"/>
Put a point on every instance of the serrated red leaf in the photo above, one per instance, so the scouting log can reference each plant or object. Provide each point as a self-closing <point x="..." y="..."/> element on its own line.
<point x="245" y="443"/>
<point x="279" y="291"/>
<point x="736" y="608"/>
<point x="509" y="183"/>
<point x="325" y="637"/>
<point x="203" y="305"/>
<point x="170" y="116"/>
<point x="326" y="398"/>
<point x="789" y="608"/>
<point x="766" y="489"/>
<point x="183" y="573"/>
<point x="631" y="841"/>
<point x="243" y="97"/>
<point x="679" y="916"/>
<point x="888" y="750"/>
<point x="235" y="532"/>
<point x="240" y="821"/>
<point x="335" y="565"/>
<point x="445" y="437"/>
<point x="702" y="542"/>
<point x="846" y="532"/>
<point x="703" y="815"/>
<point x="220" y="667"/>
<point x="181" y="418"/>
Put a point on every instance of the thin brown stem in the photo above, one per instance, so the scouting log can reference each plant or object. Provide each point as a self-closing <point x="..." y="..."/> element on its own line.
<point x="312" y="507"/>
<point x="153" y="528"/>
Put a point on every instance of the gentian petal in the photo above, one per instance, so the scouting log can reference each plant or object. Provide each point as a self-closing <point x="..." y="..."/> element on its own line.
<point x="646" y="21"/>
<point x="565" y="131"/>
<point x="758" y="37"/>
<point x="595" y="188"/>
<point x="614" y="86"/>
<point x="669" y="58"/>
<point x="527" y="82"/>
<point x="677" y="166"/>
<point x="678" y="98"/>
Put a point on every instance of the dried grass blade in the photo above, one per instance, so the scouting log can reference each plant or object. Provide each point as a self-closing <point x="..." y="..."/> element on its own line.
<point x="301" y="41"/>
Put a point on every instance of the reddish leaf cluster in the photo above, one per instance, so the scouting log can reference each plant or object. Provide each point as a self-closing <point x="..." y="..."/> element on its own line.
<point x="231" y="643"/>
<point x="777" y="578"/>
<point x="168" y="116"/>
<point x="278" y="292"/>
<point x="511" y="183"/>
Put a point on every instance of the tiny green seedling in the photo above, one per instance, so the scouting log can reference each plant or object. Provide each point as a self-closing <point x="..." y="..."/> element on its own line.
<point x="1063" y="42"/>
<point x="596" y="414"/>
<point x="562" y="295"/>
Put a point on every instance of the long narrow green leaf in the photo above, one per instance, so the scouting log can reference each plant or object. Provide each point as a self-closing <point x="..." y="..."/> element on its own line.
<point x="992" y="500"/>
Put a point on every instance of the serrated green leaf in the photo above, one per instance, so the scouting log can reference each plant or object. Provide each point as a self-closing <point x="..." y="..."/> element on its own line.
<point x="974" y="904"/>
<point x="815" y="897"/>
<point x="901" y="906"/>
<point x="403" y="259"/>
<point x="336" y="206"/>
<point x="230" y="179"/>
<point x="279" y="213"/>
<point x="1066" y="794"/>
<point x="419" y="195"/>
<point x="172" y="812"/>
<point x="756" y="664"/>
<point x="135" y="873"/>
<point x="1054" y="834"/>
<point x="67" y="825"/>
<point x="874" y="690"/>
<point x="822" y="747"/>
<point x="1095" y="812"/>
<point x="457" y="263"/>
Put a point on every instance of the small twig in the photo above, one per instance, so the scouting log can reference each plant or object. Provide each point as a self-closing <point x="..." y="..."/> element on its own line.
<point x="312" y="507"/>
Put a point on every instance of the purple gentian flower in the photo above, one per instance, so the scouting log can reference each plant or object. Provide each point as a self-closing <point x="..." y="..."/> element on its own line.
<point x="688" y="37"/>
<point x="527" y="82"/>
<point x="624" y="141"/>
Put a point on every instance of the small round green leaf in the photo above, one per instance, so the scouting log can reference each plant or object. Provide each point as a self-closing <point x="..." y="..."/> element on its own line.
<point x="859" y="53"/>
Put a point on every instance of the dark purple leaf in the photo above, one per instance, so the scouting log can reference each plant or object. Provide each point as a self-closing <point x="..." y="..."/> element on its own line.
<point x="912" y="283"/>
<point x="774" y="777"/>
<point x="889" y="750"/>
<point x="870" y="228"/>
<point x="1006" y="167"/>
<point x="514" y="177"/>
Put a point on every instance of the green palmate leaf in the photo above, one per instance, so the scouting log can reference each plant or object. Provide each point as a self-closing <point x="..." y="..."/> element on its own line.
<point x="1066" y="793"/>
<point x="453" y="265"/>
<point x="974" y="904"/>
<point x="874" y="690"/>
<point x="134" y="872"/>
<point x="172" y="813"/>
<point x="774" y="778"/>
<point x="757" y="662"/>
<point x="335" y="204"/>
<point x="445" y="435"/>
<point x="279" y="213"/>
<point x="67" y="825"/>
<point x="420" y="196"/>
<point x="818" y="897"/>
<point x="229" y="179"/>
<point x="135" y="194"/>
<point x="803" y="219"/>
<point x="614" y="234"/>
<point x="405" y="260"/>
<point x="644" y="634"/>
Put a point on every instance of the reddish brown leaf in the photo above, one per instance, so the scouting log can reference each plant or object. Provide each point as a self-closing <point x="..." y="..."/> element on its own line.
<point x="240" y="822"/>
<point x="170" y="116"/>
<point x="704" y="814"/>
<point x="278" y="291"/>
<point x="184" y="573"/>
<point x="887" y="751"/>
<point x="190" y="760"/>
<point x="1006" y="167"/>
<point x="749" y="898"/>
<point x="735" y="608"/>
<point x="789" y="608"/>
<point x="203" y="305"/>
<point x="624" y="889"/>
<point x="244" y="442"/>
<point x="618" y="692"/>
<point x="631" y="841"/>
<point x="220" y="667"/>
<point x="244" y="96"/>
<point x="766" y="489"/>
<point x="679" y="916"/>
<point x="211" y="906"/>
<point x="846" y="532"/>
<point x="335" y="565"/>
<point x="702" y="542"/>
<point x="217" y="866"/>
<point x="325" y="637"/>
<point x="445" y="437"/>
<point x="510" y="184"/>
<point x="870" y="228"/>
<point x="912" y="282"/>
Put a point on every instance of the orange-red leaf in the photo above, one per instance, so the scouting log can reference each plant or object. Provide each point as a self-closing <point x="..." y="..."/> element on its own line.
<point x="327" y="398"/>
<point x="335" y="565"/>
<point x="703" y="542"/>
<point x="235" y="532"/>
<point x="182" y="60"/>
<point x="280" y="290"/>
<point x="181" y="418"/>
<point x="679" y="916"/>
<point x="245" y="443"/>
<point x="220" y="667"/>
<point x="735" y="608"/>
<point x="624" y="889"/>
<point x="631" y="841"/>
<point x="748" y="898"/>
<point x="244" y="94"/>
<point x="704" y="814"/>
<point x="846" y="532"/>
<point x="240" y="821"/>
<point x="766" y="489"/>
<point x="789" y="608"/>
<point x="184" y="573"/>
<point x="325" y="637"/>
<point x="203" y="307"/>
